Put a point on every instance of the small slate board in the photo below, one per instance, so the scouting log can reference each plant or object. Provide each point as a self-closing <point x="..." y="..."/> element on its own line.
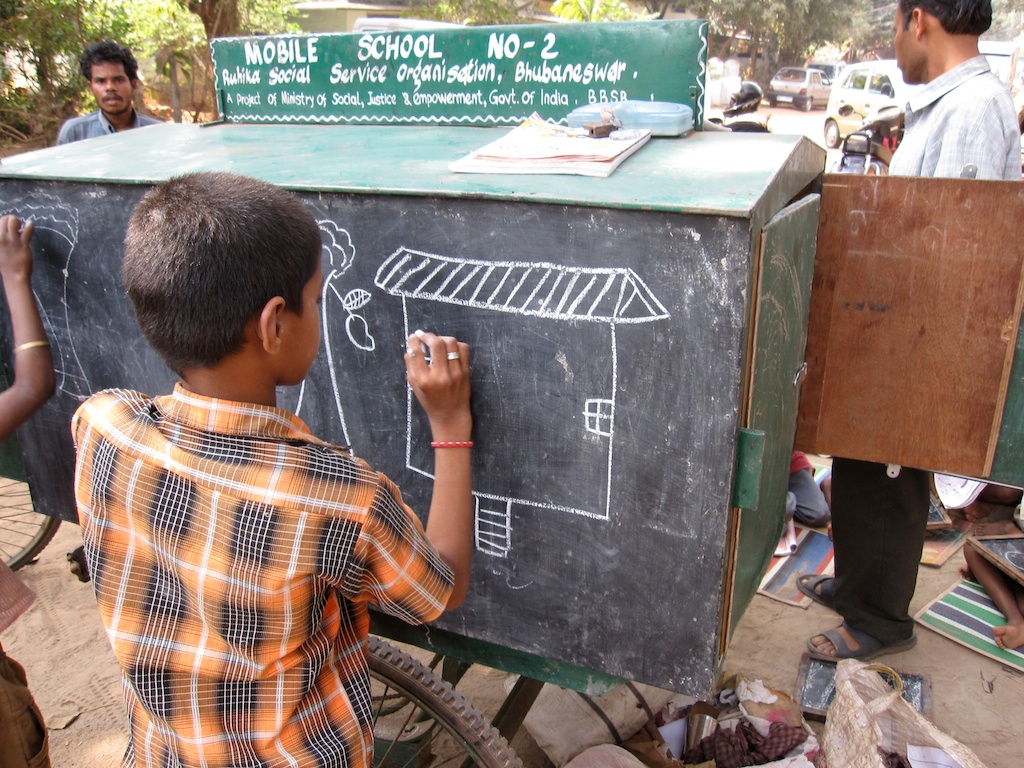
<point x="816" y="687"/>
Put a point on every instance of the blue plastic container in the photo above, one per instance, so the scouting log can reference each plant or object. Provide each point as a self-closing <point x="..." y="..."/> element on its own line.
<point x="662" y="118"/>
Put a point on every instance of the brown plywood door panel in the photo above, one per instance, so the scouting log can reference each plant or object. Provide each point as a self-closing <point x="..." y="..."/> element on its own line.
<point x="915" y="306"/>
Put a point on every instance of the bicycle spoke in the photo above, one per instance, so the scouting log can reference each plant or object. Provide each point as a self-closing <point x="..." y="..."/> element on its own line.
<point x="23" y="531"/>
<point x="420" y="721"/>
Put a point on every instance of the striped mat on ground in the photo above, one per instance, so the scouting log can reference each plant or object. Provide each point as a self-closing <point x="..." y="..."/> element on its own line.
<point x="813" y="555"/>
<point x="965" y="614"/>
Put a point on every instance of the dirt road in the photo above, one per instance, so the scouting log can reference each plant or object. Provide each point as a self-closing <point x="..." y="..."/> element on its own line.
<point x="73" y="675"/>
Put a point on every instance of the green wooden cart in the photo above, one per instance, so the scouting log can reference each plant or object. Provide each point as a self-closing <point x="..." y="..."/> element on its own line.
<point x="635" y="394"/>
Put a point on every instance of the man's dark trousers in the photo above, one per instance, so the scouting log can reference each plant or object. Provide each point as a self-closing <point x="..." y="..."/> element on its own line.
<point x="878" y="524"/>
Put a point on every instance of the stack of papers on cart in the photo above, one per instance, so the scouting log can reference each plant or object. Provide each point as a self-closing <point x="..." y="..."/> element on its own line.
<point x="537" y="146"/>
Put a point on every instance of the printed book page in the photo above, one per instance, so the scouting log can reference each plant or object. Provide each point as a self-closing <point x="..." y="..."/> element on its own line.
<point x="537" y="146"/>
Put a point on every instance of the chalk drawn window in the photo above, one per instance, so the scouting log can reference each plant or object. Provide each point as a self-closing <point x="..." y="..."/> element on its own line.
<point x="599" y="413"/>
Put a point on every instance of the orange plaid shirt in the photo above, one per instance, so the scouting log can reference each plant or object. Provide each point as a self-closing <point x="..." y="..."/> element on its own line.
<point x="233" y="556"/>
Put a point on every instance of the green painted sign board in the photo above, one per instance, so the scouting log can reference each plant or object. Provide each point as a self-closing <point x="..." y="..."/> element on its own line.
<point x="496" y="75"/>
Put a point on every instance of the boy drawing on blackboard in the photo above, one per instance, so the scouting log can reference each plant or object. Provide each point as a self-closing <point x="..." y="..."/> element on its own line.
<point x="233" y="554"/>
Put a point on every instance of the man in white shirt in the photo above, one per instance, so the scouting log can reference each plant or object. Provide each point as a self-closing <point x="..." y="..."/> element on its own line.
<point x="961" y="123"/>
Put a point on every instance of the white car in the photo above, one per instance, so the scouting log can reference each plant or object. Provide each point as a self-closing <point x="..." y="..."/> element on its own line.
<point x="802" y="87"/>
<point x="865" y="87"/>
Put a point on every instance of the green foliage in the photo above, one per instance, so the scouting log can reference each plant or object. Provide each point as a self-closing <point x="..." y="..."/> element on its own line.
<point x="40" y="84"/>
<point x="163" y="23"/>
<point x="658" y="9"/>
<point x="870" y="32"/>
<point x="595" y="10"/>
<point x="785" y="32"/>
<point x="471" y="12"/>
<point x="1007" y="20"/>
<point x="271" y="17"/>
<point x="174" y="38"/>
<point x="483" y="12"/>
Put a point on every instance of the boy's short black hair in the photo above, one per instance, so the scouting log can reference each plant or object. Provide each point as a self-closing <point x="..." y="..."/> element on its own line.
<point x="203" y="255"/>
<point x="109" y="51"/>
<point x="957" y="17"/>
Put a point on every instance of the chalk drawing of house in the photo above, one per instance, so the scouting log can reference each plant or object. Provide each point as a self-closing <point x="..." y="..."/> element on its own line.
<point x="56" y="227"/>
<point x="568" y="319"/>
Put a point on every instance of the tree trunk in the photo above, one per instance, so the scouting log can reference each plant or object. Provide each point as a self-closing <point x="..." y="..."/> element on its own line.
<point x="723" y="51"/>
<point x="220" y="17"/>
<point x="44" y="70"/>
<point x="755" y="45"/>
<point x="175" y="89"/>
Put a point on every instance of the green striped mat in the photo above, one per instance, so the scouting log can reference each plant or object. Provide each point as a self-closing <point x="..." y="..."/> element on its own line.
<point x="966" y="615"/>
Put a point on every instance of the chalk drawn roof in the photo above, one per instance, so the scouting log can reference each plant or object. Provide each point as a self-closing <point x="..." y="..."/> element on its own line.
<point x="613" y="294"/>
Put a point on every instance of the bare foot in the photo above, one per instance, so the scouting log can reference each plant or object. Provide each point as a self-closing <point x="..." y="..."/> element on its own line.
<point x="996" y="528"/>
<point x="975" y="512"/>
<point x="1009" y="637"/>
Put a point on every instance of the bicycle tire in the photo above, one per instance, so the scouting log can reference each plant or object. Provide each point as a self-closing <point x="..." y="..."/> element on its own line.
<point x="410" y="701"/>
<point x="23" y="531"/>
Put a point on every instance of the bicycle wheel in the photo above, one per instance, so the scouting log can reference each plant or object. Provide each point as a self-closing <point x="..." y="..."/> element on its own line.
<point x="420" y="721"/>
<point x="23" y="531"/>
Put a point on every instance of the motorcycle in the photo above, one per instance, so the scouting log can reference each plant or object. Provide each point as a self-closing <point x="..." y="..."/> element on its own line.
<point x="868" y="150"/>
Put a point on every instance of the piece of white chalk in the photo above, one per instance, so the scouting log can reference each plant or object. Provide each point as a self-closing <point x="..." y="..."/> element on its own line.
<point x="791" y="536"/>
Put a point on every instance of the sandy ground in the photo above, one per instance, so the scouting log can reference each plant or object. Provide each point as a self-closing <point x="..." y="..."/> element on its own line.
<point x="73" y="675"/>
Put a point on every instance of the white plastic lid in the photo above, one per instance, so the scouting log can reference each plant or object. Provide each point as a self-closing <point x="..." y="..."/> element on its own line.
<point x="957" y="492"/>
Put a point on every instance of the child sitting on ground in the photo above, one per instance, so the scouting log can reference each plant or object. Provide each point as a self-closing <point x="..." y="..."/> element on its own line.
<point x="805" y="499"/>
<point x="232" y="553"/>
<point x="1006" y="593"/>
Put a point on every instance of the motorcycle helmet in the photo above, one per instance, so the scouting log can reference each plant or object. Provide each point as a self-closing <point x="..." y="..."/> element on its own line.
<point x="747" y="99"/>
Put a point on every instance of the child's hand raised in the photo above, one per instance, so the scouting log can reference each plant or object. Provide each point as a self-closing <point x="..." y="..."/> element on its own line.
<point x="15" y="248"/>
<point x="438" y="372"/>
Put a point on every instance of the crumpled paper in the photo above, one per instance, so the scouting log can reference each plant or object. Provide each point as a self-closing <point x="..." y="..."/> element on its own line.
<point x="755" y="692"/>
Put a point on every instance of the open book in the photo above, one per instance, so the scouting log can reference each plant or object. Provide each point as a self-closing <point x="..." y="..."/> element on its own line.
<point x="537" y="146"/>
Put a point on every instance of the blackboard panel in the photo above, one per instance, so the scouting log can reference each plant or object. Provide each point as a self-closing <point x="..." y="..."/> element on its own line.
<point x="77" y="245"/>
<point x="606" y="383"/>
<point x="785" y="265"/>
<point x="1005" y="553"/>
<point x="494" y="75"/>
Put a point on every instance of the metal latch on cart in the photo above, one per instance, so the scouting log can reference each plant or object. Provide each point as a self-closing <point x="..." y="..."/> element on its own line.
<point x="746" y="485"/>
